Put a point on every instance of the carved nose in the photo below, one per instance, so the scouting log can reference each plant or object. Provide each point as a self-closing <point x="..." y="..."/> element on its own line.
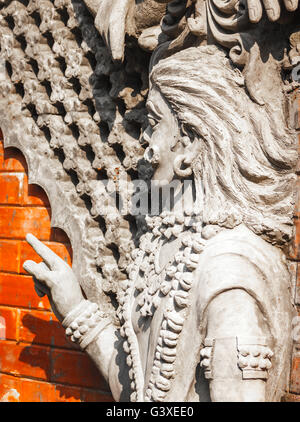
<point x="152" y="155"/>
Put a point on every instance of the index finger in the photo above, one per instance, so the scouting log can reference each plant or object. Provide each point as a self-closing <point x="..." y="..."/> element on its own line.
<point x="51" y="259"/>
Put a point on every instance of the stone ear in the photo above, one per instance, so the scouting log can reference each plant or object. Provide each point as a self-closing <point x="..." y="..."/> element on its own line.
<point x="182" y="163"/>
<point x="179" y="163"/>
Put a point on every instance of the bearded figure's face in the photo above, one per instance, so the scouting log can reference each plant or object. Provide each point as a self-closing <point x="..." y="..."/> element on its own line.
<point x="164" y="139"/>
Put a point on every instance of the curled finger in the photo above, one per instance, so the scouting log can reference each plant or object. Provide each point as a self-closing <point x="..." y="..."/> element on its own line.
<point x="291" y="5"/>
<point x="39" y="271"/>
<point x="273" y="9"/>
<point x="255" y="10"/>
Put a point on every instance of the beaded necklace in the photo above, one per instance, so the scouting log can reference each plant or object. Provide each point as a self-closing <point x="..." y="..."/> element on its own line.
<point x="146" y="278"/>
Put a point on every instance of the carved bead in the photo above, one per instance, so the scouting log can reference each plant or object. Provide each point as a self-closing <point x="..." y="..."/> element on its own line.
<point x="205" y="363"/>
<point x="176" y="231"/>
<point x="268" y="364"/>
<point x="77" y="334"/>
<point x="170" y="343"/>
<point x="166" y="367"/>
<point x="171" y="271"/>
<point x="168" y="352"/>
<point x="74" y="325"/>
<point x="178" y="257"/>
<point x="181" y="299"/>
<point x="158" y="395"/>
<point x="167" y="374"/>
<point x="263" y="363"/>
<point x="244" y="351"/>
<point x="206" y="352"/>
<point x="83" y="329"/>
<point x="129" y="360"/>
<point x="185" y="286"/>
<point x="243" y="362"/>
<point x="197" y="247"/>
<point x="255" y="351"/>
<point x="175" y="318"/>
<point x="165" y="288"/>
<point x="253" y="362"/>
<point x="188" y="278"/>
<point x="133" y="397"/>
<point x="163" y="384"/>
<point x="175" y="327"/>
<point x="126" y="347"/>
<point x="122" y="331"/>
<point x="179" y="218"/>
<point x="69" y="331"/>
<point x="194" y="257"/>
<point x="169" y="359"/>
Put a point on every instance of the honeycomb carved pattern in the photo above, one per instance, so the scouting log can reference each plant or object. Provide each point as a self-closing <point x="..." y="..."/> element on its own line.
<point x="78" y="119"/>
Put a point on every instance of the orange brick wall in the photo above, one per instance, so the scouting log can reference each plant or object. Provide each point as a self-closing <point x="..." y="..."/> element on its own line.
<point x="37" y="362"/>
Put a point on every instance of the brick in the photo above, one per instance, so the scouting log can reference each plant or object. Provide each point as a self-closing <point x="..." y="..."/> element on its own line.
<point x="294" y="110"/>
<point x="43" y="328"/>
<point x="291" y="398"/>
<point x="63" y="393"/>
<point x="297" y="284"/>
<point x="34" y="195"/>
<point x="27" y="252"/>
<point x="294" y="250"/>
<point x="95" y="396"/>
<point x="18" y="290"/>
<point x="58" y="235"/>
<point x="15" y="223"/>
<point x="9" y="256"/>
<point x="12" y="160"/>
<point x="11" y="318"/>
<point x="17" y="389"/>
<point x="23" y="360"/>
<point x="9" y="389"/>
<point x="295" y="374"/>
<point x="11" y="188"/>
<point x="75" y="368"/>
<point x="297" y="204"/>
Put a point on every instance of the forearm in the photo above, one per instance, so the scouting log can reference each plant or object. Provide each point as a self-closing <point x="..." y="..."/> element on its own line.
<point x="101" y="351"/>
<point x="94" y="332"/>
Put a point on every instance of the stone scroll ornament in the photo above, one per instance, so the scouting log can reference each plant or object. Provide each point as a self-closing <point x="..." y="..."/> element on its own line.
<point x="193" y="302"/>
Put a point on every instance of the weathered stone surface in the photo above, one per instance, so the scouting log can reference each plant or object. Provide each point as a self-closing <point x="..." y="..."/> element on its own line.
<point x="218" y="116"/>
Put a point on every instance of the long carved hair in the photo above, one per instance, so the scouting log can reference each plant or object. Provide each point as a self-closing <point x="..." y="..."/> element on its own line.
<point x="248" y="157"/>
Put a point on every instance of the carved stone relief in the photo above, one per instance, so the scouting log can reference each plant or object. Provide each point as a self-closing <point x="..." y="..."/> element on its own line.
<point x="192" y="98"/>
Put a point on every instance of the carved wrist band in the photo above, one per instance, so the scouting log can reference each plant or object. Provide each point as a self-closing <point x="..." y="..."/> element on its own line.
<point x="84" y="323"/>
<point x="75" y="313"/>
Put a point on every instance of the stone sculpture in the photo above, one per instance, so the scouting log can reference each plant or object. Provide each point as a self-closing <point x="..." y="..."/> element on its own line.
<point x="206" y="310"/>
